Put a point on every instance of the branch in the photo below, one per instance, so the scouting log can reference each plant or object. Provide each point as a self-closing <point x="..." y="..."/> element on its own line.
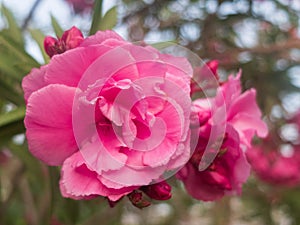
<point x="31" y="12"/>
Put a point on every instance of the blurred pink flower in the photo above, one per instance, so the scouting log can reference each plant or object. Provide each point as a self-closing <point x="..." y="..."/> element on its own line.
<point x="272" y="167"/>
<point x="113" y="114"/>
<point x="81" y="6"/>
<point x="230" y="169"/>
<point x="70" y="39"/>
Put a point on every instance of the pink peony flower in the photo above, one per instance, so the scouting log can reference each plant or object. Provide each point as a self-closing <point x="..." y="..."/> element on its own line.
<point x="114" y="115"/>
<point x="214" y="171"/>
<point x="273" y="167"/>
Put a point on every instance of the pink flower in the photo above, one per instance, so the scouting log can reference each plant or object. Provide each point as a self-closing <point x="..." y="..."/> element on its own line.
<point x="242" y="112"/>
<point x="114" y="115"/>
<point x="70" y="39"/>
<point x="273" y="167"/>
<point x="224" y="175"/>
<point x="234" y="118"/>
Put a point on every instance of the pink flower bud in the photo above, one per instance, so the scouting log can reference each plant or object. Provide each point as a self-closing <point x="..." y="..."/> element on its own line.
<point x="50" y="45"/>
<point x="158" y="191"/>
<point x="81" y="6"/>
<point x="71" y="38"/>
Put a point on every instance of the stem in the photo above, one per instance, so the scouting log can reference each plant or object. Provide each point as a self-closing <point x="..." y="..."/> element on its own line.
<point x="31" y="12"/>
<point x="96" y="16"/>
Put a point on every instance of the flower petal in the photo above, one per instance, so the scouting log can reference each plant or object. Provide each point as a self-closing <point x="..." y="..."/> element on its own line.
<point x="68" y="68"/>
<point x="100" y="37"/>
<point x="34" y="81"/>
<point x="48" y="123"/>
<point x="79" y="182"/>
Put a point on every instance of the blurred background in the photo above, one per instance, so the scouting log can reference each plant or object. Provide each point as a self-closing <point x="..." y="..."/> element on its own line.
<point x="261" y="37"/>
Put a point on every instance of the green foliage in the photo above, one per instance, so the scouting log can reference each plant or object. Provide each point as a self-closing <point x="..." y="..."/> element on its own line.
<point x="57" y="28"/>
<point x="97" y="16"/>
<point x="109" y="20"/>
<point x="38" y="36"/>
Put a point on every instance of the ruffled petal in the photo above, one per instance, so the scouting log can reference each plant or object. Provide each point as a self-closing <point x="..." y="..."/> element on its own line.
<point x="34" y="81"/>
<point x="100" y="37"/>
<point x="69" y="67"/>
<point x="79" y="182"/>
<point x="48" y="123"/>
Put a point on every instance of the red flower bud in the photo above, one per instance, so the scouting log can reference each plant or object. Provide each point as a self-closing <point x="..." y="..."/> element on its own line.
<point x="158" y="191"/>
<point x="50" y="45"/>
<point x="71" y="38"/>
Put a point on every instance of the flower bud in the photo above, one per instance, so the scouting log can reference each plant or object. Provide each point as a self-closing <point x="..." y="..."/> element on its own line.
<point x="158" y="191"/>
<point x="136" y="198"/>
<point x="50" y="45"/>
<point x="71" y="38"/>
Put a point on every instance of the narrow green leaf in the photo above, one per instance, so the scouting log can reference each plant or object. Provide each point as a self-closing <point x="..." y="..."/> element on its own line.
<point x="11" y="123"/>
<point x="39" y="37"/>
<point x="17" y="50"/>
<point x="14" y="29"/>
<point x="7" y="69"/>
<point x="9" y="130"/>
<point x="9" y="91"/>
<point x="96" y="16"/>
<point x="12" y="116"/>
<point x="109" y="20"/>
<point x="162" y="45"/>
<point x="57" y="28"/>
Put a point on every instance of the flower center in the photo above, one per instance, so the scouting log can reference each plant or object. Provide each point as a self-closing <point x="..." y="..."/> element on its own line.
<point x="143" y="130"/>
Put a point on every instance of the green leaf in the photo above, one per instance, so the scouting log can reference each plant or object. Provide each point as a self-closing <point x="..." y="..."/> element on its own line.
<point x="17" y="50"/>
<point x="12" y="116"/>
<point x="163" y="45"/>
<point x="11" y="123"/>
<point x="9" y="91"/>
<point x="109" y="20"/>
<point x="96" y="17"/>
<point x="57" y="28"/>
<point x="13" y="28"/>
<point x="39" y="37"/>
<point x="6" y="132"/>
